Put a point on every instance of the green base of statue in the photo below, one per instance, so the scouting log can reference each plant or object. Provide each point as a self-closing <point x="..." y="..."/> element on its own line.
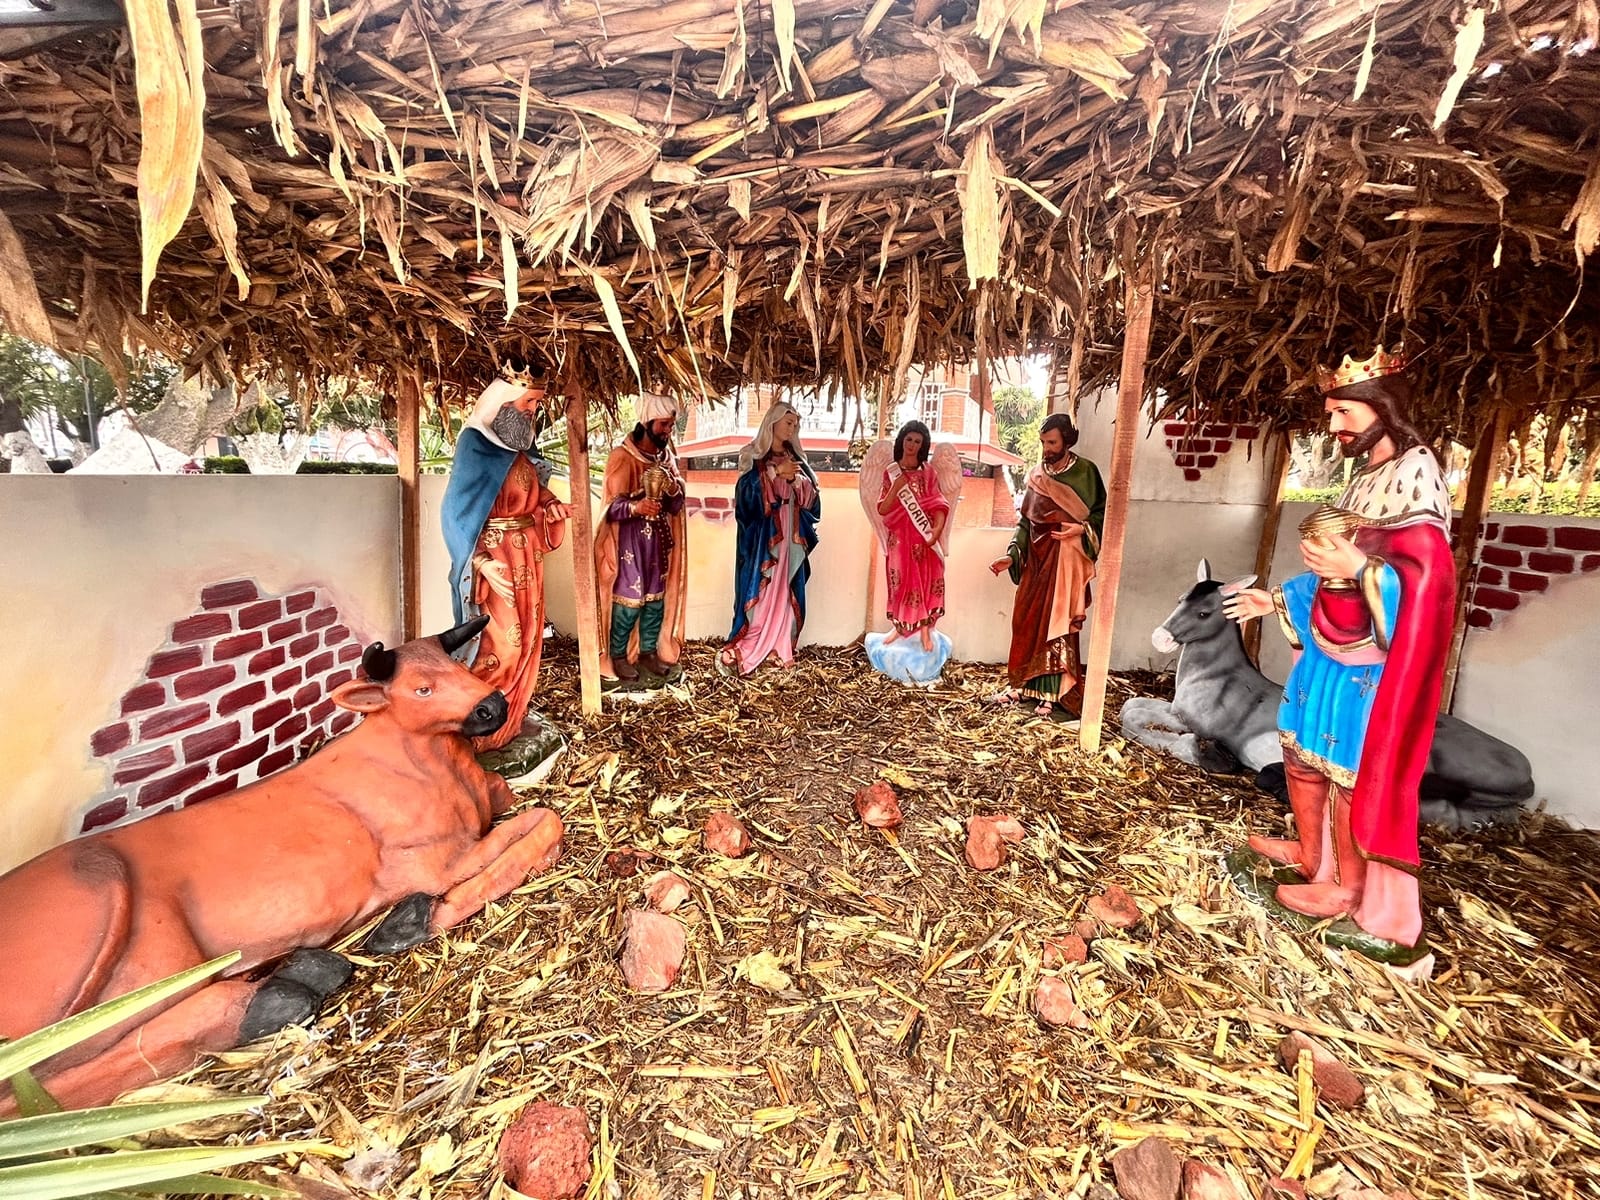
<point x="648" y="681"/>
<point x="1257" y="878"/>
<point x="527" y="758"/>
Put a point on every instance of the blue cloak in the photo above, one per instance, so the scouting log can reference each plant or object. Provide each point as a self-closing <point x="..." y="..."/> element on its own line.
<point x="758" y="530"/>
<point x="476" y="477"/>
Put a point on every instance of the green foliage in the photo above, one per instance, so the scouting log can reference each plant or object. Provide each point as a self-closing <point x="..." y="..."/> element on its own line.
<point x="1017" y="414"/>
<point x="47" y="1154"/>
<point x="225" y="464"/>
<point x="35" y="380"/>
<point x="1556" y="502"/>
<point x="346" y="468"/>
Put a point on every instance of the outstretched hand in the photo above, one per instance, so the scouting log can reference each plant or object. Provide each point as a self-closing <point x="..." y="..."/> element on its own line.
<point x="998" y="565"/>
<point x="1247" y="604"/>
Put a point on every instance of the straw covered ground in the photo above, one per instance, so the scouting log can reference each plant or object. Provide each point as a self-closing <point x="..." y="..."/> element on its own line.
<point x="903" y="1059"/>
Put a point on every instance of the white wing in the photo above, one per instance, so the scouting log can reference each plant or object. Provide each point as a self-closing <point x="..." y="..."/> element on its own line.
<point x="946" y="464"/>
<point x="873" y="468"/>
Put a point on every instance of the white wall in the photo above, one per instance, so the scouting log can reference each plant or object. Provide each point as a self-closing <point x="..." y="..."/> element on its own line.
<point x="1529" y="680"/>
<point x="95" y="569"/>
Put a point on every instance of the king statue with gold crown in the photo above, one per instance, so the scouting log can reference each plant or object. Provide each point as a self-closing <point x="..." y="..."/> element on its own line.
<point x="1370" y="623"/>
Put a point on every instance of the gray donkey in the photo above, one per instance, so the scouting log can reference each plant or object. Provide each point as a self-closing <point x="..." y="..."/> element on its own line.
<point x="1224" y="709"/>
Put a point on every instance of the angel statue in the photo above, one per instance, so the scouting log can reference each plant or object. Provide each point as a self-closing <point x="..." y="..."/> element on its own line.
<point x="911" y="503"/>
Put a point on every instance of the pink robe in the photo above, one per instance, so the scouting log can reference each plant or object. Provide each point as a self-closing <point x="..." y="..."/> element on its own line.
<point x="915" y="568"/>
<point x="773" y="623"/>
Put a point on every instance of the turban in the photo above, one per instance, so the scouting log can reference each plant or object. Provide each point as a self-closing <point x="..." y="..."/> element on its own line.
<point x="656" y="408"/>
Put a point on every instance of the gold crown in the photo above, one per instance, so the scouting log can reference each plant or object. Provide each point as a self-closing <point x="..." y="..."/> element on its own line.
<point x="522" y="378"/>
<point x="1349" y="372"/>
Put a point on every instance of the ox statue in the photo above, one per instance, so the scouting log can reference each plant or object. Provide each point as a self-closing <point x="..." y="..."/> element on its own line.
<point x="1221" y="700"/>
<point x="394" y="815"/>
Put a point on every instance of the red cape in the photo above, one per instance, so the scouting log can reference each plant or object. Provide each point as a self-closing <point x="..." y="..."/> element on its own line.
<point x="1394" y="755"/>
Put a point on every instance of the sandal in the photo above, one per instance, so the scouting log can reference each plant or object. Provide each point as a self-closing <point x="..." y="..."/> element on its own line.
<point x="1045" y="708"/>
<point x="1002" y="699"/>
<point x="725" y="663"/>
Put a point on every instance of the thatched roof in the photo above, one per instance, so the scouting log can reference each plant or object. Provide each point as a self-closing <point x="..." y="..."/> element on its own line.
<point x="802" y="192"/>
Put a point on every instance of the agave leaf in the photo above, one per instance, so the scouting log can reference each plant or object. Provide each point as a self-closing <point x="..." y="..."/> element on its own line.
<point x="65" y="1130"/>
<point x="32" y="1100"/>
<point x="213" y="1185"/>
<point x="63" y="1035"/>
<point x="62" y="1178"/>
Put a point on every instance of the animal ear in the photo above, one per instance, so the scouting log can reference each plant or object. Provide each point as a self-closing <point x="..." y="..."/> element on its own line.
<point x="1237" y="585"/>
<point x="1203" y="575"/>
<point x="360" y="696"/>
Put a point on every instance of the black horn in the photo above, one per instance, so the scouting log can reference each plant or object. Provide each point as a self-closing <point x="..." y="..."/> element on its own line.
<point x="378" y="663"/>
<point x="453" y="639"/>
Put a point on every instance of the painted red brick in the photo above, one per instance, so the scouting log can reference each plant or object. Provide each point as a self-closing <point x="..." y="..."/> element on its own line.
<point x="1183" y="460"/>
<point x="1576" y="537"/>
<point x="284" y="680"/>
<point x="1191" y="474"/>
<point x="339" y="679"/>
<point x="292" y="728"/>
<point x="212" y="790"/>
<point x="308" y="695"/>
<point x="1480" y="618"/>
<point x="284" y="630"/>
<point x="202" y="626"/>
<point x="160" y="790"/>
<point x="143" y="698"/>
<point x="1491" y="530"/>
<point x="1206" y="461"/>
<point x="1526" y="535"/>
<point x="335" y="636"/>
<point x="198" y="683"/>
<point x="319" y="664"/>
<point x="1247" y="433"/>
<point x="1216" y="431"/>
<point x="1175" y="428"/>
<point x="1222" y="447"/>
<point x="276" y="761"/>
<point x="243" y="756"/>
<point x="1496" y="599"/>
<point x="224" y="595"/>
<point x="236" y="646"/>
<point x="105" y="814"/>
<point x="172" y="720"/>
<point x="142" y="766"/>
<point x="322" y="618"/>
<point x="301" y="647"/>
<point x="250" y="693"/>
<point x="266" y="718"/>
<point x="261" y="614"/>
<point x="322" y="712"/>
<point x="208" y="742"/>
<point x="299" y="602"/>
<point x="1198" y="446"/>
<point x="1551" y="564"/>
<point x="1591" y="562"/>
<point x="717" y="502"/>
<point x="1501" y="557"/>
<point x="174" y="662"/>
<point x="269" y="659"/>
<point x="1524" y="581"/>
<point x="110" y="738"/>
<point x="342" y="722"/>
<point x="1490" y="576"/>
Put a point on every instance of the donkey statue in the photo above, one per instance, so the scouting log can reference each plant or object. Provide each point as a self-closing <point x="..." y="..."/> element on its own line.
<point x="1222" y="705"/>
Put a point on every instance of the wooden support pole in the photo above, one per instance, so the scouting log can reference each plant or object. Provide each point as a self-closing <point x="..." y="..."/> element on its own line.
<point x="1480" y="484"/>
<point x="584" y="585"/>
<point x="1278" y="472"/>
<point x="408" y="418"/>
<point x="1064" y="393"/>
<point x="1138" y="307"/>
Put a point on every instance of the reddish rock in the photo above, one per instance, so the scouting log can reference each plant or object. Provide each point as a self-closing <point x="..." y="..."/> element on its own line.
<point x="652" y="950"/>
<point x="1336" y="1083"/>
<point x="726" y="834"/>
<point x="544" y="1153"/>
<point x="1202" y="1181"/>
<point x="1114" y="907"/>
<point x="665" y="892"/>
<point x="1086" y="928"/>
<point x="987" y="838"/>
<point x="625" y="864"/>
<point x="1283" y="1189"/>
<point x="878" y="806"/>
<point x="1053" y="1003"/>
<point x="1148" y="1170"/>
<point x="1068" y="948"/>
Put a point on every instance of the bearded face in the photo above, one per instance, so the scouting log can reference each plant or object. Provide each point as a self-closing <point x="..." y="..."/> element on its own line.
<point x="1356" y="426"/>
<point x="659" y="433"/>
<point x="513" y="426"/>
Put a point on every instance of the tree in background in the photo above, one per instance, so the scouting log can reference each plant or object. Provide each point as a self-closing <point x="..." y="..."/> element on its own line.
<point x="1017" y="415"/>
